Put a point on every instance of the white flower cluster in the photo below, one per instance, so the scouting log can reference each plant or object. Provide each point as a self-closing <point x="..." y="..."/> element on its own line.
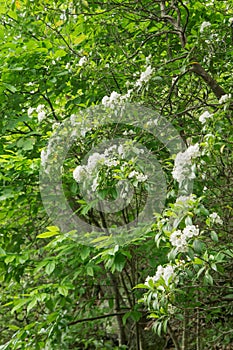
<point x="224" y="98"/>
<point x="183" y="163"/>
<point x="152" y="122"/>
<point x="140" y="177"/>
<point x="166" y="273"/>
<point x="81" y="171"/>
<point x="115" y="99"/>
<point x="215" y="218"/>
<point x="30" y="111"/>
<point x="179" y="238"/>
<point x="204" y="116"/>
<point x="41" y="113"/>
<point x="204" y="25"/>
<point x="40" y="110"/>
<point x="82" y="61"/>
<point x="55" y="125"/>
<point x="44" y="158"/>
<point x="130" y="132"/>
<point x="185" y="199"/>
<point x="144" y="77"/>
<point x="110" y="158"/>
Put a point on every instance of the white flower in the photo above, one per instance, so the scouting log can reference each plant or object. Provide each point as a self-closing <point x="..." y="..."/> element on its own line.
<point x="39" y="108"/>
<point x="94" y="184"/>
<point x="121" y="150"/>
<point x="144" y="77"/>
<point x="230" y="20"/>
<point x="147" y="280"/>
<point x="159" y="273"/>
<point x="105" y="101"/>
<point x="224" y="98"/>
<point x="141" y="177"/>
<point x="182" y="168"/>
<point x="112" y="100"/>
<point x="204" y="25"/>
<point x="55" y="125"/>
<point x="84" y="131"/>
<point x="190" y="231"/>
<point x="63" y="16"/>
<point x="30" y="111"/>
<point x="79" y="172"/>
<point x="216" y="218"/>
<point x="148" y="58"/>
<point x="178" y="240"/>
<point x="111" y="162"/>
<point x="193" y="151"/>
<point x="168" y="272"/>
<point x="73" y="119"/>
<point x="127" y="95"/>
<point x="132" y="174"/>
<point x="185" y="199"/>
<point x="41" y="116"/>
<point x="115" y="98"/>
<point x="162" y="272"/>
<point x="204" y="116"/>
<point x="43" y="157"/>
<point x="82" y="61"/>
<point x="94" y="159"/>
<point x="41" y="112"/>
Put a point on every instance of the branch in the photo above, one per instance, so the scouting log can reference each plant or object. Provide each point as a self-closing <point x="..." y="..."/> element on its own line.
<point x="173" y="337"/>
<point x="176" y="23"/>
<point x="201" y="72"/>
<point x="58" y="32"/>
<point x="51" y="106"/>
<point x="96" y="318"/>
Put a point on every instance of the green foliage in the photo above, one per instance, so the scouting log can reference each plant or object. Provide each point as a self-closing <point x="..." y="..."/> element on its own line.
<point x="57" y="59"/>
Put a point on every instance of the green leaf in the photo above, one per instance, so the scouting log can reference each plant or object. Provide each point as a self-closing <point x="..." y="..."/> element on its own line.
<point x="90" y="271"/>
<point x="19" y="304"/>
<point x="63" y="290"/>
<point x="13" y="327"/>
<point x="50" y="267"/>
<point x="214" y="236"/>
<point x="9" y="259"/>
<point x="197" y="246"/>
<point x="60" y="53"/>
<point x="78" y="40"/>
<point x="135" y="315"/>
<point x="85" y="251"/>
<point x="119" y="262"/>
<point x="99" y="239"/>
<point x="53" y="228"/>
<point x="48" y="234"/>
<point x="141" y="285"/>
<point x="32" y="304"/>
<point x="125" y="317"/>
<point x="2" y="252"/>
<point x="208" y="278"/>
<point x="10" y="87"/>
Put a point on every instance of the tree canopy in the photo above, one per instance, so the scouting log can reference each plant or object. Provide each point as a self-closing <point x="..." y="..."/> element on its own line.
<point x="116" y="182"/>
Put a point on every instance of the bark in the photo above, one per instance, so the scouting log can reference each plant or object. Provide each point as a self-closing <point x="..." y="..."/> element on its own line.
<point x="185" y="331"/>
<point x="122" y="335"/>
<point x="173" y="337"/>
<point x="212" y="83"/>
